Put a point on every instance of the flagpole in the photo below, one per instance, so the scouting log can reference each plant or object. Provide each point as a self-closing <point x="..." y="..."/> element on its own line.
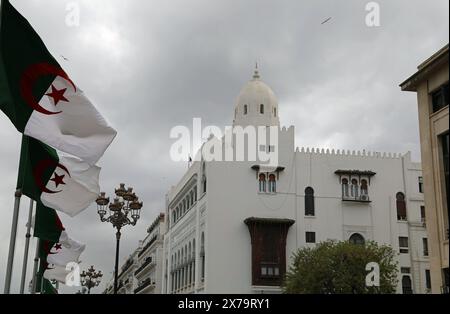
<point x="35" y="267"/>
<point x="12" y="241"/>
<point x="27" y="246"/>
<point x="15" y="220"/>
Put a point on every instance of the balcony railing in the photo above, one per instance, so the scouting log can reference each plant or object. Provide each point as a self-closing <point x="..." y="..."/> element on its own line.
<point x="144" y="284"/>
<point x="148" y="245"/>
<point x="127" y="266"/>
<point x="146" y="263"/>
<point x="364" y="198"/>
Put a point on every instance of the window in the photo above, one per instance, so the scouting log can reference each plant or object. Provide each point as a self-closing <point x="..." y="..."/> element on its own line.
<point x="272" y="183"/>
<point x="345" y="189"/>
<point x="202" y="256"/>
<point x="310" y="237"/>
<point x="405" y="270"/>
<point x="354" y="190"/>
<point x="425" y="246"/>
<point x="270" y="270"/>
<point x="444" y="152"/>
<point x="262" y="148"/>
<point x="428" y="279"/>
<point x="407" y="285"/>
<point x="420" y="184"/>
<point x="439" y="98"/>
<point x="268" y="241"/>
<point x="403" y="244"/>
<point x="364" y="187"/>
<point x="358" y="239"/>
<point x="204" y="184"/>
<point x="271" y="149"/>
<point x="262" y="183"/>
<point x="275" y="112"/>
<point x="401" y="206"/>
<point x="245" y="109"/>
<point x="422" y="214"/>
<point x="261" y="109"/>
<point x="309" y="202"/>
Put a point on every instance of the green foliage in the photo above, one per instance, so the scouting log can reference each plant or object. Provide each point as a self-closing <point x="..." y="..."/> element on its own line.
<point x="340" y="268"/>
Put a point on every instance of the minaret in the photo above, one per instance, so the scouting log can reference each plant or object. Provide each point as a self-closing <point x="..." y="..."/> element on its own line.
<point x="257" y="104"/>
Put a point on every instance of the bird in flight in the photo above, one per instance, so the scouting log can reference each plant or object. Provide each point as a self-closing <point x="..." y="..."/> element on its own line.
<point x="326" y="20"/>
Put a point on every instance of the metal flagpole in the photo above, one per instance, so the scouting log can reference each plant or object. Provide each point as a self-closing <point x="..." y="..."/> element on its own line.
<point x="35" y="267"/>
<point x="27" y="246"/>
<point x="12" y="242"/>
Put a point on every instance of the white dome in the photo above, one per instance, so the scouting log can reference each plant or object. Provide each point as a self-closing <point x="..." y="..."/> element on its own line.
<point x="256" y="104"/>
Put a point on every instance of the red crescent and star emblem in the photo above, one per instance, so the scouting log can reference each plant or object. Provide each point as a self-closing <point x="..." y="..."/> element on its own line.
<point x="57" y="179"/>
<point x="29" y="78"/>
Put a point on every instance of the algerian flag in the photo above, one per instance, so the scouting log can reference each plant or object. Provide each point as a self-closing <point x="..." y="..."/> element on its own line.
<point x="57" y="180"/>
<point x="63" y="259"/>
<point x="39" y="97"/>
<point x="59" y="254"/>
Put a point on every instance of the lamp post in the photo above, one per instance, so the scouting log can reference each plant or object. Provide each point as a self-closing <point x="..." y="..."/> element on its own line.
<point x="91" y="279"/>
<point x="124" y="210"/>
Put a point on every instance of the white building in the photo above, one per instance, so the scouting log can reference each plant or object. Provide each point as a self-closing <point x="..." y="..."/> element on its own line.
<point x="232" y="227"/>
<point x="149" y="260"/>
<point x="142" y="271"/>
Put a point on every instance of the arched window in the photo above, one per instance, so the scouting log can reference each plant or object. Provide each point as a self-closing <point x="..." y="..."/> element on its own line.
<point x="275" y="112"/>
<point x="245" y="109"/>
<point x="261" y="109"/>
<point x="262" y="183"/>
<point x="345" y="188"/>
<point x="309" y="202"/>
<point x="195" y="195"/>
<point x="202" y="255"/>
<point x="356" y="238"/>
<point x="364" y="187"/>
<point x="407" y="285"/>
<point x="401" y="206"/>
<point x="272" y="183"/>
<point x="355" y="192"/>
<point x="204" y="184"/>
<point x="174" y="214"/>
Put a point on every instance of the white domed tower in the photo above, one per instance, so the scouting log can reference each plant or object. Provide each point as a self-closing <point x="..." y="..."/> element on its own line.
<point x="256" y="105"/>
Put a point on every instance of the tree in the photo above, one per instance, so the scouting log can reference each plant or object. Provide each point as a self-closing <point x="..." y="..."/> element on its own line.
<point x="340" y="268"/>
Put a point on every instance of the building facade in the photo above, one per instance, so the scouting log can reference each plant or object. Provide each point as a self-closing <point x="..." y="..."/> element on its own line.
<point x="431" y="83"/>
<point x="142" y="271"/>
<point x="233" y="226"/>
<point x="149" y="260"/>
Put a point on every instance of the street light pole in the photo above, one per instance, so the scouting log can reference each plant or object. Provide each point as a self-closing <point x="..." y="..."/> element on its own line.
<point x="116" y="266"/>
<point x="124" y="210"/>
<point x="90" y="279"/>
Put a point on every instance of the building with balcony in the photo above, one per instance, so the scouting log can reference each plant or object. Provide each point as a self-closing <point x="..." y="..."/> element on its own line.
<point x="233" y="226"/>
<point x="431" y="83"/>
<point x="148" y="273"/>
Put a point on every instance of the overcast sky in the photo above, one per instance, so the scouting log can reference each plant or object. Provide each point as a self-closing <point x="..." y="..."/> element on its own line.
<point x="151" y="65"/>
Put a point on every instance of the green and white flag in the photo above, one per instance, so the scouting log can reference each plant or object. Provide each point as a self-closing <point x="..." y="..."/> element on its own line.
<point x="39" y="97"/>
<point x="63" y="259"/>
<point x="57" y="180"/>
<point x="59" y="254"/>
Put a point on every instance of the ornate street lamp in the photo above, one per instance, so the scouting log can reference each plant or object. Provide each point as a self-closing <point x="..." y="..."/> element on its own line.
<point x="124" y="210"/>
<point x="91" y="279"/>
